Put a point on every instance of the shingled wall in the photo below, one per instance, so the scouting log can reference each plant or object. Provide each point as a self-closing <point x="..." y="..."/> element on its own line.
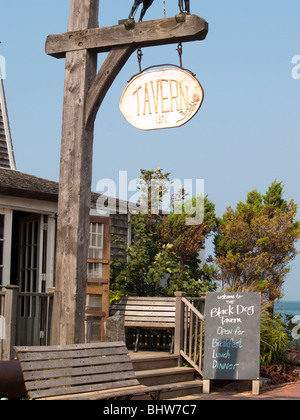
<point x="4" y="157"/>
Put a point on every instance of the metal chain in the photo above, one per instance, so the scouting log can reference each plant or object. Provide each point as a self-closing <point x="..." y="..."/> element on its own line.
<point x="140" y="56"/>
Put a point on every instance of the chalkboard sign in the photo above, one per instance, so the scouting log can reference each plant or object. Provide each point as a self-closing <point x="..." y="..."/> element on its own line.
<point x="232" y="336"/>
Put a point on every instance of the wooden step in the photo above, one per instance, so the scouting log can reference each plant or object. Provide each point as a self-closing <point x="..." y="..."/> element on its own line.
<point x="165" y="376"/>
<point x="161" y="368"/>
<point x="158" y="361"/>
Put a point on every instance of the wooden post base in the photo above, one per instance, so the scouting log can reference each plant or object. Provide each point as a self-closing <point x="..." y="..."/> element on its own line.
<point x="255" y="386"/>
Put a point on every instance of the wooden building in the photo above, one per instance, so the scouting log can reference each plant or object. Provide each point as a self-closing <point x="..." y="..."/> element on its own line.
<point x="28" y="218"/>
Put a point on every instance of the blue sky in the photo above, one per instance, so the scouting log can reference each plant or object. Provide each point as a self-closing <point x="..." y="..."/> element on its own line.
<point x="245" y="135"/>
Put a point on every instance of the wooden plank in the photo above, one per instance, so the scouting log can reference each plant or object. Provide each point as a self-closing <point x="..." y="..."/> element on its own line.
<point x="82" y="371"/>
<point x="104" y="394"/>
<point x="149" y="325"/>
<point x="155" y="314"/>
<point x="146" y="303"/>
<point x="139" y="299"/>
<point x="145" y="306"/>
<point x="206" y="386"/>
<point x="41" y="349"/>
<point x="132" y="308"/>
<point x="80" y="380"/>
<point x="145" y="317"/>
<point x="150" y="33"/>
<point x="82" y="389"/>
<point x="73" y="363"/>
<point x="141" y="309"/>
<point x="68" y="354"/>
<point x="58" y="363"/>
<point x="139" y="306"/>
<point x="255" y="387"/>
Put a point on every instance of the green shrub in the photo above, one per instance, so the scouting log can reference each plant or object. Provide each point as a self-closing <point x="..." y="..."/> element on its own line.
<point x="274" y="339"/>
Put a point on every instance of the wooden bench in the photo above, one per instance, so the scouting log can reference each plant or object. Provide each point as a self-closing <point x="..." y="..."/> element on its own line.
<point x="147" y="313"/>
<point x="82" y="372"/>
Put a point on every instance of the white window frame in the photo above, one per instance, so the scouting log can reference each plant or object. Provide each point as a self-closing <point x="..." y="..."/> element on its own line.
<point x="94" y="266"/>
<point x="98" y="234"/>
<point x="6" y="246"/>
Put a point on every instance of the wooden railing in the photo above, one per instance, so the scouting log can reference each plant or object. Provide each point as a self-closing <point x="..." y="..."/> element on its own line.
<point x="28" y="315"/>
<point x="27" y="318"/>
<point x="189" y="330"/>
<point x="34" y="312"/>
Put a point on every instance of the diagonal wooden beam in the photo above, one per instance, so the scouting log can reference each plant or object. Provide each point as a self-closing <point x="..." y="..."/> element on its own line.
<point x="113" y="64"/>
<point x="144" y="34"/>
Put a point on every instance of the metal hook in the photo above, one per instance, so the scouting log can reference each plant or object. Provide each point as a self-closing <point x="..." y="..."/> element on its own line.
<point x="179" y="50"/>
<point x="139" y="57"/>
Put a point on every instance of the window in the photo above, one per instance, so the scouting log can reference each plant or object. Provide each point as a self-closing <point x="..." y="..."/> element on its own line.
<point x="96" y="241"/>
<point x="1" y="247"/>
<point x="97" y="299"/>
<point x="94" y="270"/>
<point x="29" y="252"/>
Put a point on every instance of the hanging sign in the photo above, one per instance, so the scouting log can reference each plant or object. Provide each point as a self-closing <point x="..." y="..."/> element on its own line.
<point x="161" y="99"/>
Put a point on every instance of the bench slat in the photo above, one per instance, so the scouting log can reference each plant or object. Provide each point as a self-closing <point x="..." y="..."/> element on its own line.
<point x="147" y="324"/>
<point x="140" y="312"/>
<point x="82" y="371"/>
<point x="79" y="380"/>
<point x="152" y="320"/>
<point x="26" y="349"/>
<point x="137" y="391"/>
<point x="73" y="363"/>
<point x="153" y="299"/>
<point x="106" y="394"/>
<point x="49" y="355"/>
<point x="153" y="314"/>
<point x="134" y="316"/>
<point x="159" y="305"/>
<point x="82" y="389"/>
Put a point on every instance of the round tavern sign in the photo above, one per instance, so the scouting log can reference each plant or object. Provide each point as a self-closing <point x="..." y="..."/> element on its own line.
<point x="161" y="99"/>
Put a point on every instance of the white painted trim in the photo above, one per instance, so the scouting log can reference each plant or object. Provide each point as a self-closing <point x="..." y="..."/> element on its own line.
<point x="28" y="205"/>
<point x="7" y="245"/>
<point x="6" y="125"/>
<point x="40" y="253"/>
<point x="50" y="251"/>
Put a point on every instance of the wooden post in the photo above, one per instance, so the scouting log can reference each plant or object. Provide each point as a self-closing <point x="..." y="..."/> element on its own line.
<point x="179" y="324"/>
<point x="10" y="316"/>
<point x="84" y="92"/>
<point x="74" y="186"/>
<point x="206" y="386"/>
<point x="255" y="387"/>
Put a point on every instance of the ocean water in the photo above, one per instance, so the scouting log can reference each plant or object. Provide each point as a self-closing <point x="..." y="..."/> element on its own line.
<point x="286" y="307"/>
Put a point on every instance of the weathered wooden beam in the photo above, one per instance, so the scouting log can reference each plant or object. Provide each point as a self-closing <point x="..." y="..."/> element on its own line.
<point x="113" y="64"/>
<point x="144" y="34"/>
